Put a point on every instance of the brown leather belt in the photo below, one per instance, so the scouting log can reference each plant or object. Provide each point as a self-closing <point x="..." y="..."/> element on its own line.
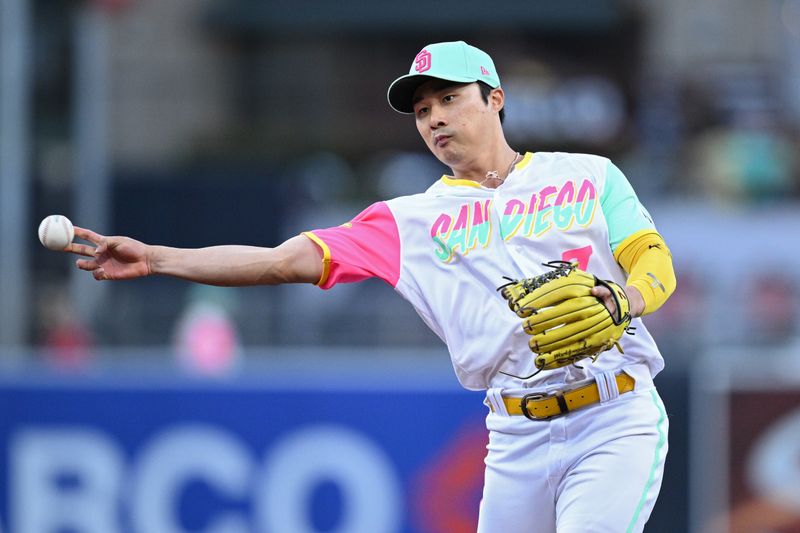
<point x="544" y="406"/>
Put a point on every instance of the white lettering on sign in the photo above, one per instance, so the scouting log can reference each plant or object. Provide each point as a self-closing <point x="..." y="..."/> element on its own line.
<point x="178" y="456"/>
<point x="76" y="478"/>
<point x="64" y="478"/>
<point x="304" y="460"/>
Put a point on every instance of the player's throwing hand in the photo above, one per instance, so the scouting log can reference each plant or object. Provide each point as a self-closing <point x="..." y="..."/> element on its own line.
<point x="112" y="258"/>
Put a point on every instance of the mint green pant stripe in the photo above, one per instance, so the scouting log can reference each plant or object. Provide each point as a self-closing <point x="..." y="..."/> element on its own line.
<point x="662" y="438"/>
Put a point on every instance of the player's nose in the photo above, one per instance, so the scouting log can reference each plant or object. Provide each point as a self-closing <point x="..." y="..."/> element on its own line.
<point x="437" y="117"/>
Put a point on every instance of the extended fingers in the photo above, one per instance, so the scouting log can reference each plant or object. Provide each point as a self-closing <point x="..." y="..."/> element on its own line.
<point x="88" y="235"/>
<point x="92" y="266"/>
<point x="80" y="249"/>
<point x="87" y="264"/>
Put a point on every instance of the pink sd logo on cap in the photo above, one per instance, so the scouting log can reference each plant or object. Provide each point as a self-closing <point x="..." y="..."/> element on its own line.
<point x="423" y="61"/>
<point x="484" y="71"/>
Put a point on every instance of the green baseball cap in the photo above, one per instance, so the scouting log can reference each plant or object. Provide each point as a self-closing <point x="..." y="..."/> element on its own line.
<point x="454" y="61"/>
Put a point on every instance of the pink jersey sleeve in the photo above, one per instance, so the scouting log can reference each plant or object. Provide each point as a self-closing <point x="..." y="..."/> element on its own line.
<point x="366" y="247"/>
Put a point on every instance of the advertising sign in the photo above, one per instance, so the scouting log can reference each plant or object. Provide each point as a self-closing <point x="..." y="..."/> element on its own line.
<point x="178" y="457"/>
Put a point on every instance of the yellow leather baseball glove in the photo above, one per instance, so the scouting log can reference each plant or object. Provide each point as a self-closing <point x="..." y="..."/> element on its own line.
<point x="566" y="321"/>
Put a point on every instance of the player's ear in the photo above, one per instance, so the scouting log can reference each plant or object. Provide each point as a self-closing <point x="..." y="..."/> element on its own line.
<point x="497" y="99"/>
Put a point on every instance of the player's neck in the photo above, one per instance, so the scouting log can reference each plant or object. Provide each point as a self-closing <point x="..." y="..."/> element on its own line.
<point x="491" y="168"/>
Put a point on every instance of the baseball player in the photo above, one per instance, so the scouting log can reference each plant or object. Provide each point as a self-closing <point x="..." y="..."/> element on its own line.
<point x="576" y="445"/>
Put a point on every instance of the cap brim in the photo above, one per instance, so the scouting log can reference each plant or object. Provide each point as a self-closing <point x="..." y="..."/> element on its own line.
<point x="401" y="91"/>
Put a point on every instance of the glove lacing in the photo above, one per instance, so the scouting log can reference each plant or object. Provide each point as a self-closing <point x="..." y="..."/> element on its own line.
<point x="560" y="269"/>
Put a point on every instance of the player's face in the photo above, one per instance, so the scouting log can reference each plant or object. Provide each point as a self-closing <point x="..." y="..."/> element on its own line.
<point x="453" y="120"/>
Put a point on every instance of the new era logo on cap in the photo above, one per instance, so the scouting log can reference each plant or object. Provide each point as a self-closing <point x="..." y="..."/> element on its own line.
<point x="484" y="71"/>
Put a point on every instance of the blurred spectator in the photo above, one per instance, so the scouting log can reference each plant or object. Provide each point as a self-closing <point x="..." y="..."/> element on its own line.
<point x="66" y="339"/>
<point x="749" y="161"/>
<point x="206" y="338"/>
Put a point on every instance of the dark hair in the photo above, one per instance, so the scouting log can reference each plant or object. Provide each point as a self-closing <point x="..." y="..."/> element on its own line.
<point x="485" y="91"/>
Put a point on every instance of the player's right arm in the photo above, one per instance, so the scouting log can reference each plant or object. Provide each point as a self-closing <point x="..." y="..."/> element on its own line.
<point x="298" y="260"/>
<point x="637" y="247"/>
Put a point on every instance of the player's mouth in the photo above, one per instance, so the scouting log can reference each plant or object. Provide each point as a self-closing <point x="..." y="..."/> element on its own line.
<point x="440" y="140"/>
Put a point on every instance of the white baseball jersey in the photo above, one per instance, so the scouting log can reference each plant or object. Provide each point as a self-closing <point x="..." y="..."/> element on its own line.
<point x="448" y="249"/>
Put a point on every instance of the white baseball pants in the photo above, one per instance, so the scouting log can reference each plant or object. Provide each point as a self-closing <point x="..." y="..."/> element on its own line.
<point x="594" y="470"/>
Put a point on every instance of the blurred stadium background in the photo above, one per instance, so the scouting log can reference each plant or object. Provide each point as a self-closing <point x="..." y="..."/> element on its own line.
<point x="158" y="406"/>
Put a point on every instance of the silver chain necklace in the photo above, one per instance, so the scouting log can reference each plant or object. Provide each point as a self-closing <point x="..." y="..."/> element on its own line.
<point x="495" y="175"/>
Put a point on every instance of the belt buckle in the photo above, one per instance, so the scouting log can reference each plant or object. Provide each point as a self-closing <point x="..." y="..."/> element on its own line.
<point x="559" y="395"/>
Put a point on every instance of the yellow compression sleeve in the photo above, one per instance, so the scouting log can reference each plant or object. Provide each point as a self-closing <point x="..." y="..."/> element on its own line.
<point x="648" y="262"/>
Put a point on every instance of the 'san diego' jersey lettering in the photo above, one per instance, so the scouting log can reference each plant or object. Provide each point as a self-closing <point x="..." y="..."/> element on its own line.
<point x="448" y="249"/>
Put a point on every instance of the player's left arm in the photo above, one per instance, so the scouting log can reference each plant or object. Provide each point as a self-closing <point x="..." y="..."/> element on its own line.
<point x="651" y="276"/>
<point x="638" y="248"/>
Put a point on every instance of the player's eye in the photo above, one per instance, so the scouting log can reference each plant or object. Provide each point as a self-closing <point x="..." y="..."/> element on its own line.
<point x="421" y="111"/>
<point x="449" y="98"/>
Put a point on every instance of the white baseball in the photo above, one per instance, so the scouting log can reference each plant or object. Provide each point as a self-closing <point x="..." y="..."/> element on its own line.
<point x="56" y="232"/>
